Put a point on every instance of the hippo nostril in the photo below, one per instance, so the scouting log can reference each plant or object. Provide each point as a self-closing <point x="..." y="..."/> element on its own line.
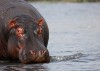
<point x="33" y="52"/>
<point x="42" y="52"/>
<point x="45" y="51"/>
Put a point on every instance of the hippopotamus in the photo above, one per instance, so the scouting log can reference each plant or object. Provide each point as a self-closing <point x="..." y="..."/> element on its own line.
<point x="24" y="33"/>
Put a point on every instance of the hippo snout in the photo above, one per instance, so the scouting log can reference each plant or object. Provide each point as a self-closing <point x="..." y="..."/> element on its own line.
<point x="32" y="56"/>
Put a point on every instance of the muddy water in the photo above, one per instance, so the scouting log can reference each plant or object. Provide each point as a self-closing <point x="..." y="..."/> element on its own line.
<point x="74" y="28"/>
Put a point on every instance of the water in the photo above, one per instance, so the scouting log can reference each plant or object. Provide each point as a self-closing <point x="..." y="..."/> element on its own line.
<point x="74" y="28"/>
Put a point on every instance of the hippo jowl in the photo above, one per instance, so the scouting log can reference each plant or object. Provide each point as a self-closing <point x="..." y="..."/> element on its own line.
<point x="24" y="33"/>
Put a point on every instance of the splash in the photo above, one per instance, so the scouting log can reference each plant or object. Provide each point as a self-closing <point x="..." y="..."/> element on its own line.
<point x="65" y="58"/>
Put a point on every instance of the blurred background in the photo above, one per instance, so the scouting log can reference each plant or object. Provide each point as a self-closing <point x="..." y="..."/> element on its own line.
<point x="69" y="0"/>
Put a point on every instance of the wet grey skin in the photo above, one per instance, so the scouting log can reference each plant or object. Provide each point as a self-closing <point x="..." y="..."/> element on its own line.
<point x="24" y="33"/>
<point x="28" y="47"/>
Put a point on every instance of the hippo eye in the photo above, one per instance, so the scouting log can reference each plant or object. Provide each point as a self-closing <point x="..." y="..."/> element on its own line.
<point x="38" y="31"/>
<point x="35" y="31"/>
<point x="19" y="31"/>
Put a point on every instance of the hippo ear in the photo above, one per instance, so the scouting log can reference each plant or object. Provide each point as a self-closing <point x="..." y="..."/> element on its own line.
<point x="12" y="23"/>
<point x="40" y="22"/>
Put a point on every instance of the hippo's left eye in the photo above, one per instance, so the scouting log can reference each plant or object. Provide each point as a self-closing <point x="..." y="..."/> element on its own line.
<point x="35" y="31"/>
<point x="38" y="31"/>
<point x="20" y="32"/>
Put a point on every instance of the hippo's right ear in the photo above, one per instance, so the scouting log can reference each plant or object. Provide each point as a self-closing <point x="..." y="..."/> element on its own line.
<point x="12" y="23"/>
<point x="40" y="22"/>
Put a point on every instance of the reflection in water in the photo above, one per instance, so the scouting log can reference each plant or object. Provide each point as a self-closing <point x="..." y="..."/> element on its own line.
<point x="21" y="67"/>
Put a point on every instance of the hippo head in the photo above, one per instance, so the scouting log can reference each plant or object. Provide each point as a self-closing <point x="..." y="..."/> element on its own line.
<point x="26" y="41"/>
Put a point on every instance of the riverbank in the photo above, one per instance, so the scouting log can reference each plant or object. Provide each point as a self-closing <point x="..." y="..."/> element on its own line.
<point x="68" y="0"/>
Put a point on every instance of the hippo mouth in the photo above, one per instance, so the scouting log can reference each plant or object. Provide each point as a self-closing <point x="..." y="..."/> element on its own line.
<point x="32" y="56"/>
